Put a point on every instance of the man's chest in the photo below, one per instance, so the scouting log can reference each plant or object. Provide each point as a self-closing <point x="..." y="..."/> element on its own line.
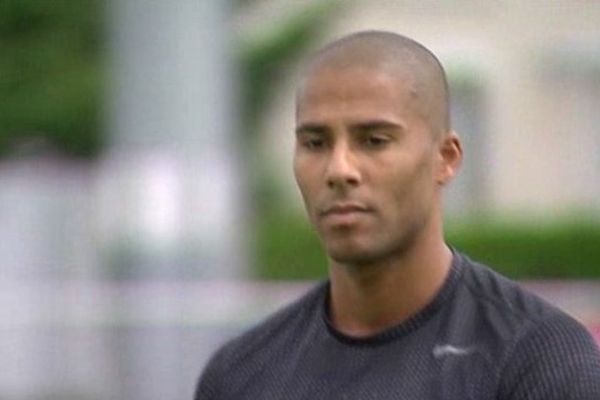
<point x="330" y="371"/>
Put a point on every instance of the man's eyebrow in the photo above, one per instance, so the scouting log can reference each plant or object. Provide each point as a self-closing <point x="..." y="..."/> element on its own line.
<point x="360" y="126"/>
<point x="311" y="128"/>
<point x="377" y="124"/>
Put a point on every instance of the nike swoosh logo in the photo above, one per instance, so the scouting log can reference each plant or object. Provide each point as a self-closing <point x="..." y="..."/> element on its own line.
<point x="441" y="350"/>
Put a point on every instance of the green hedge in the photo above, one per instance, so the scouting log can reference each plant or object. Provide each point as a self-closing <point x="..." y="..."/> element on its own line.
<point x="561" y="249"/>
<point x="287" y="247"/>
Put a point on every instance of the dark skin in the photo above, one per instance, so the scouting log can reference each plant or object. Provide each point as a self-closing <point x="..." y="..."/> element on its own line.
<point x="373" y="152"/>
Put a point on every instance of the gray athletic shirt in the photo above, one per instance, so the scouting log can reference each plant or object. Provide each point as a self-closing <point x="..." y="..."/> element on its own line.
<point x="482" y="337"/>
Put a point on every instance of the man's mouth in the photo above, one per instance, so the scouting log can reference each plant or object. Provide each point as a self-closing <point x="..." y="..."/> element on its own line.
<point x="344" y="213"/>
<point x="344" y="208"/>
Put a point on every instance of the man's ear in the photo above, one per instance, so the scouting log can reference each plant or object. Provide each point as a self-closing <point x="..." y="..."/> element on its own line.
<point x="450" y="157"/>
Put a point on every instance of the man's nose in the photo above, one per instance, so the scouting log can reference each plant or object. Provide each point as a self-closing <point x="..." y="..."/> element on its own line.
<point x="342" y="169"/>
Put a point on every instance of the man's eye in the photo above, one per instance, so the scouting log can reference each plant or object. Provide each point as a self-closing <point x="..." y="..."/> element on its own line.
<point x="313" y="144"/>
<point x="376" y="141"/>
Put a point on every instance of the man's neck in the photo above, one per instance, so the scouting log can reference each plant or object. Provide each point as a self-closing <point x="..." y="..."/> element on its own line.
<point x="368" y="299"/>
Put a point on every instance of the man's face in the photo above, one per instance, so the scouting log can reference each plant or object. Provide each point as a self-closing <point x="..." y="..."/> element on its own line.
<point x="365" y="163"/>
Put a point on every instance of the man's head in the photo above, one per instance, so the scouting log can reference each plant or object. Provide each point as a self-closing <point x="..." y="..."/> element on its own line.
<point x="399" y="56"/>
<point x="373" y="145"/>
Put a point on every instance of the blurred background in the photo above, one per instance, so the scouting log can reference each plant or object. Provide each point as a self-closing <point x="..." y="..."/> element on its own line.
<point x="147" y="206"/>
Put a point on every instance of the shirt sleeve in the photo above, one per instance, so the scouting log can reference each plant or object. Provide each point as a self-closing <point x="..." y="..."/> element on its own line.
<point x="555" y="360"/>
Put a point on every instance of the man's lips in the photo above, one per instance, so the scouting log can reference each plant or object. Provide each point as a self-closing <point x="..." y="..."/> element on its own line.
<point x="341" y="210"/>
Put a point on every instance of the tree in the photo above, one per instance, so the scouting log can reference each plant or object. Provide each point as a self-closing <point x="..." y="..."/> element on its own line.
<point x="51" y="74"/>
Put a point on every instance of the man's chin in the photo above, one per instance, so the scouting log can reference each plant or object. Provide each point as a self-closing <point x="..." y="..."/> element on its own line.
<point x="351" y="255"/>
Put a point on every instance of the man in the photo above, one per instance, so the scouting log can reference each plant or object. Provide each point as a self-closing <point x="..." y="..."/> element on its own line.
<point x="402" y="316"/>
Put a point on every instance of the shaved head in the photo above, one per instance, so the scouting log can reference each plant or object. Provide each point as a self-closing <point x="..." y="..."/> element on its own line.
<point x="399" y="56"/>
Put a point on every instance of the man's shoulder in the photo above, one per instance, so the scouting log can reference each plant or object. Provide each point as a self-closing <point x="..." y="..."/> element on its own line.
<point x="275" y="330"/>
<point x="240" y="359"/>
<point x="534" y="339"/>
<point x="498" y="310"/>
<point x="496" y="293"/>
